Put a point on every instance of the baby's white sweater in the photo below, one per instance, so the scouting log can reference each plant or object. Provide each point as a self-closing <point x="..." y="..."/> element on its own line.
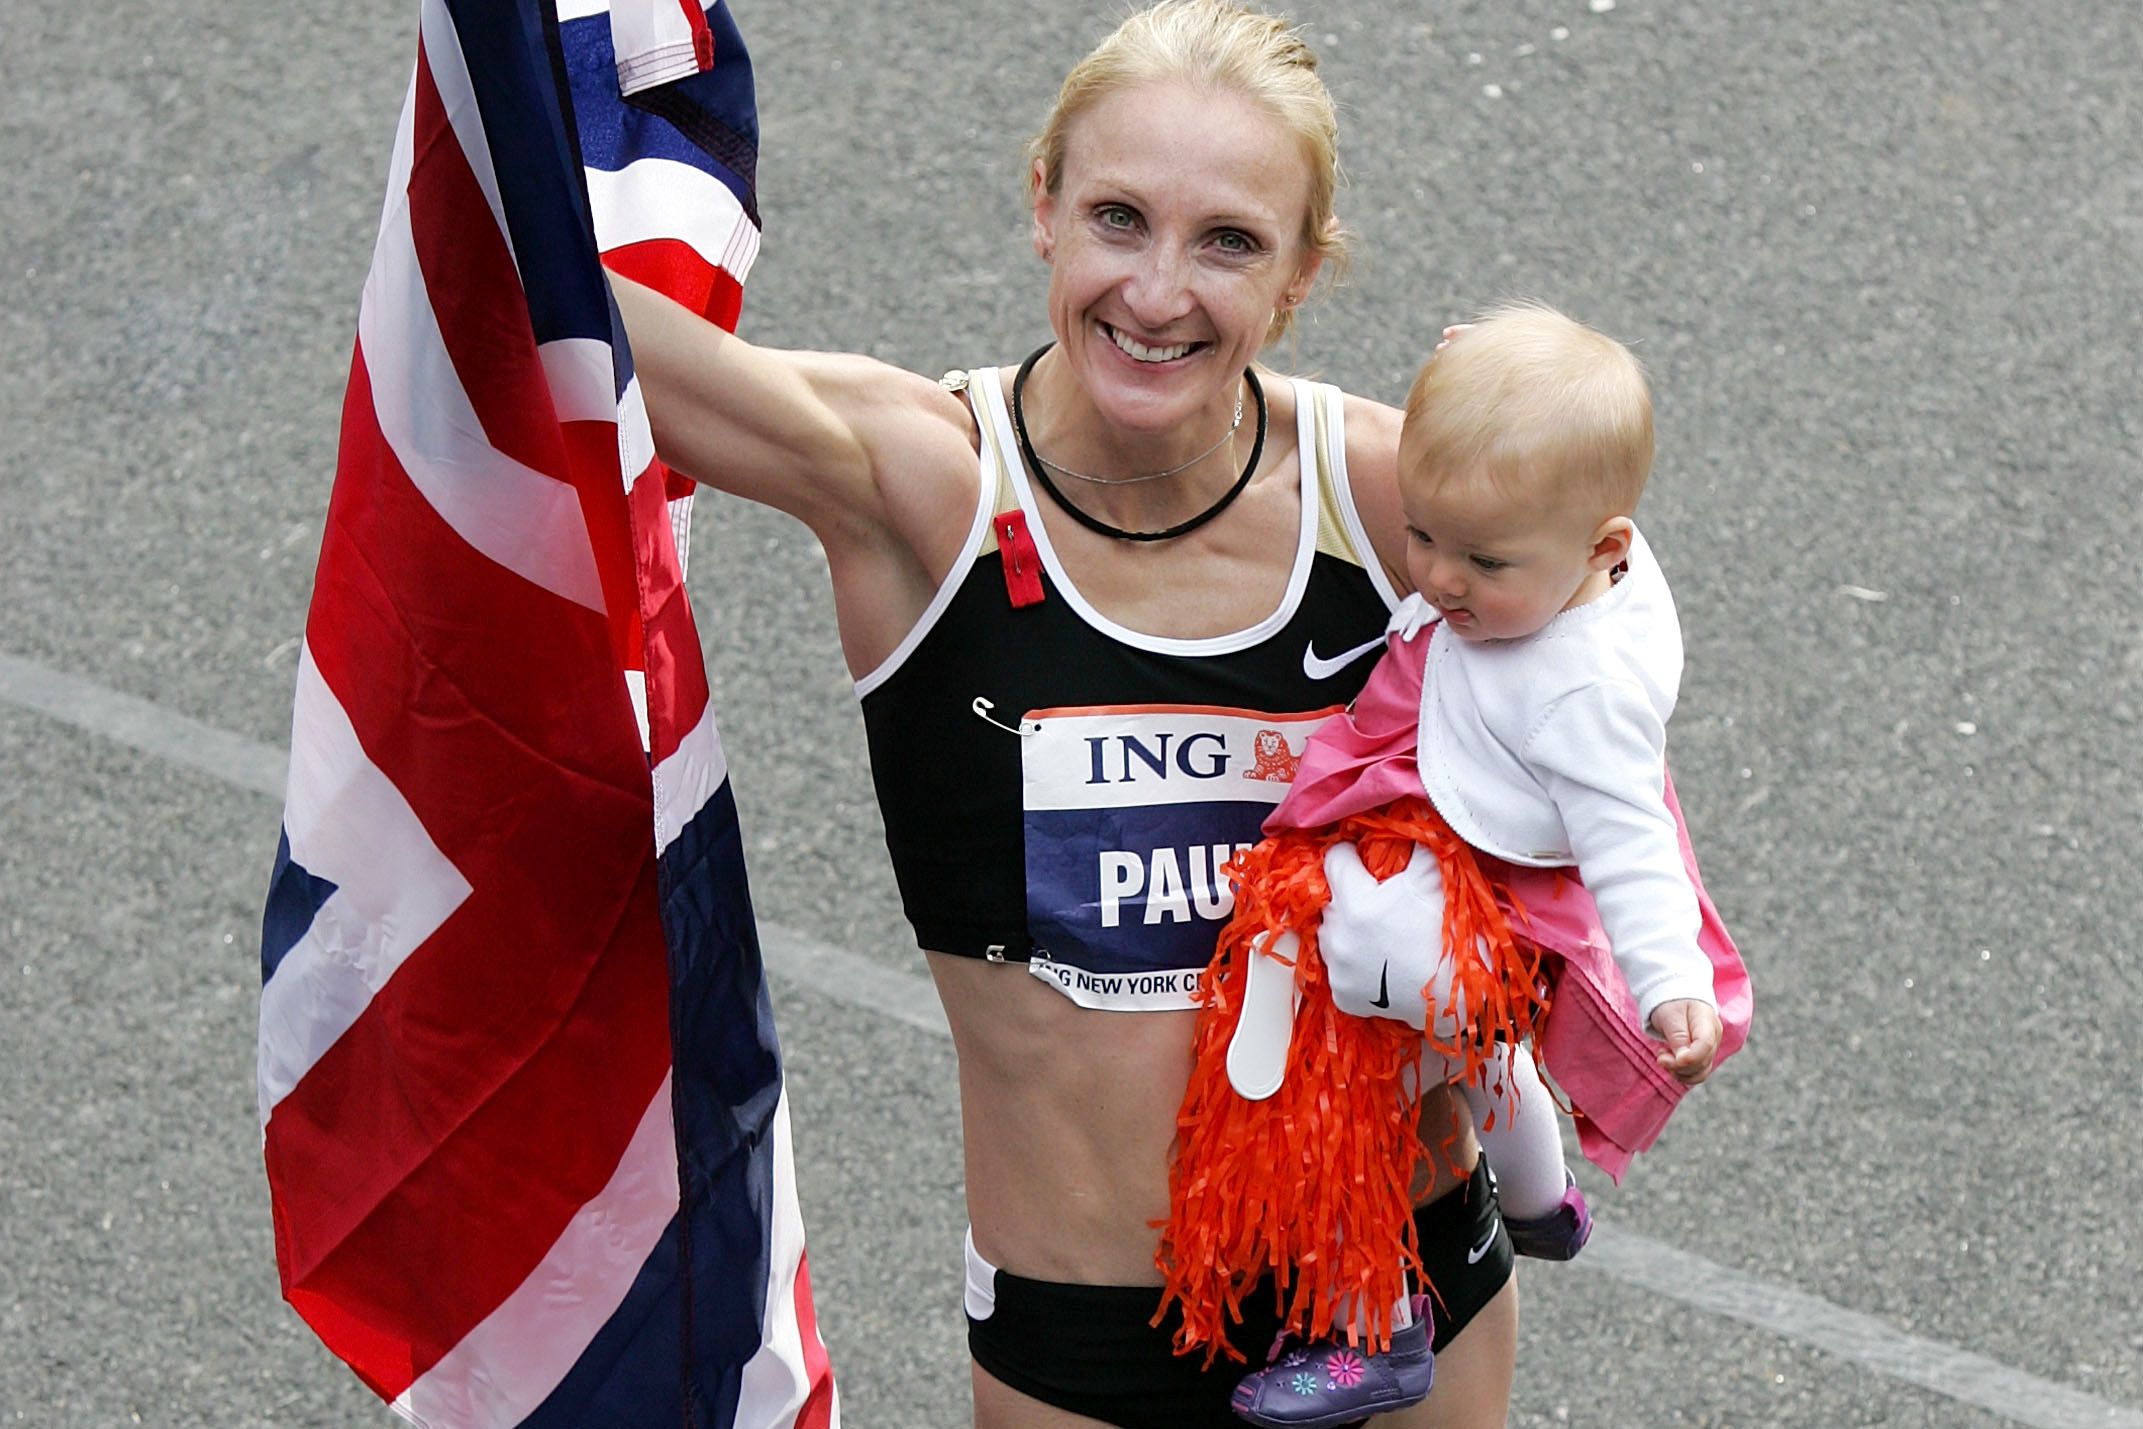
<point x="1551" y="750"/>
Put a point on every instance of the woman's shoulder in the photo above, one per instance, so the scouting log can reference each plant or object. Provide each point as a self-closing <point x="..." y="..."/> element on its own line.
<point x="1371" y="428"/>
<point x="908" y="441"/>
<point x="919" y="408"/>
<point x="1372" y="436"/>
<point x="936" y="415"/>
<point x="1366" y="420"/>
<point x="1372" y="452"/>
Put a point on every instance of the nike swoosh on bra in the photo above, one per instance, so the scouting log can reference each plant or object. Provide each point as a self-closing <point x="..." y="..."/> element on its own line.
<point x="1383" y="997"/>
<point x="1317" y="667"/>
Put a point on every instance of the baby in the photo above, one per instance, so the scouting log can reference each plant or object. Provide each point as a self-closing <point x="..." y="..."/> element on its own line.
<point x="1525" y="691"/>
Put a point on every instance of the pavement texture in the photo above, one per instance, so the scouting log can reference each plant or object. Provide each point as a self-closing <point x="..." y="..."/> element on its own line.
<point x="1885" y="264"/>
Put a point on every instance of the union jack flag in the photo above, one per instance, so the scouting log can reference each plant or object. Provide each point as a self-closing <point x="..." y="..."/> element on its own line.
<point x="520" y="1094"/>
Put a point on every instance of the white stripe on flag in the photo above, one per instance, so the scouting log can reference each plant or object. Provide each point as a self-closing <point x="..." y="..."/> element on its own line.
<point x="450" y="76"/>
<point x="584" y="389"/>
<point x="502" y="1370"/>
<point x="776" y="1379"/>
<point x="526" y="521"/>
<point x="584" y="386"/>
<point x="662" y="198"/>
<point x="651" y="41"/>
<point x="681" y="532"/>
<point x="686" y="780"/>
<point x="349" y="825"/>
<point x="399" y="159"/>
<point x="636" y="439"/>
<point x="636" y="691"/>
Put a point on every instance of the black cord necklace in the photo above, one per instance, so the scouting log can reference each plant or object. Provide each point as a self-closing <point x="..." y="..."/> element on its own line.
<point x="1095" y="523"/>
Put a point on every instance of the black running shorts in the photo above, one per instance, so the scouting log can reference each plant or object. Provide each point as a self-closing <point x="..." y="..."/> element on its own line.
<point x="1088" y="1349"/>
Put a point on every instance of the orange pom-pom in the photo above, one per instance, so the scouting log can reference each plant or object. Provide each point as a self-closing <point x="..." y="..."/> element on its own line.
<point x="1314" y="1184"/>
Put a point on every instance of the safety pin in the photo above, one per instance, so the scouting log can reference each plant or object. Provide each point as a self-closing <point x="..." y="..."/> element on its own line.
<point x="1025" y="729"/>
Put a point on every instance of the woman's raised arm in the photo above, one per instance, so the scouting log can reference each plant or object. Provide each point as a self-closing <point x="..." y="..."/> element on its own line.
<point x="844" y="443"/>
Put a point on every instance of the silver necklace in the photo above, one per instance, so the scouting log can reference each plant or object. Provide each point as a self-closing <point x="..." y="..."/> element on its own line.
<point x="1225" y="438"/>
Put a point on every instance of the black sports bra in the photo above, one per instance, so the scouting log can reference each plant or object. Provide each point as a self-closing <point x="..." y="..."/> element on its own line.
<point x="1062" y="791"/>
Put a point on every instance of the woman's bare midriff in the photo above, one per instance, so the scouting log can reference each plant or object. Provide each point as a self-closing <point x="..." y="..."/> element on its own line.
<point x="1068" y="1116"/>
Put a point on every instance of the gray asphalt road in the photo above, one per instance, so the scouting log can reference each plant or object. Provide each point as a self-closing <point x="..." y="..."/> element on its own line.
<point x="1883" y="262"/>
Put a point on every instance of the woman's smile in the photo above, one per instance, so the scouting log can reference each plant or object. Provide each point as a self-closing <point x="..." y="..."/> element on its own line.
<point x="1142" y="352"/>
<point x="1173" y="235"/>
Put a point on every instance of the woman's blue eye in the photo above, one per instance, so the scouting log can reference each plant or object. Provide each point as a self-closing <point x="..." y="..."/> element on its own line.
<point x="1115" y="216"/>
<point x="1234" y="241"/>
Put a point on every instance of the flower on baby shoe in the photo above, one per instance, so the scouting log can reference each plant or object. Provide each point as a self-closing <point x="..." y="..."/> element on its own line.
<point x="1345" y="1367"/>
<point x="1303" y="1383"/>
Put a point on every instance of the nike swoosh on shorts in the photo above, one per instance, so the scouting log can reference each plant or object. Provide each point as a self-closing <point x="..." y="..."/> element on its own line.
<point x="1318" y="667"/>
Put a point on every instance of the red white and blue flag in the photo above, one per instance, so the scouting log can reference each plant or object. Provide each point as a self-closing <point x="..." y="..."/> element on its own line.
<point x="520" y="1093"/>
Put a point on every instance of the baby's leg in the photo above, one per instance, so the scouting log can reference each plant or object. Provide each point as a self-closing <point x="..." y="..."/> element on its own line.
<point x="1524" y="1146"/>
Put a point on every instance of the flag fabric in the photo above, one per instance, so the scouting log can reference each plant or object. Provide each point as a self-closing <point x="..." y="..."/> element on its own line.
<point x="521" y="1100"/>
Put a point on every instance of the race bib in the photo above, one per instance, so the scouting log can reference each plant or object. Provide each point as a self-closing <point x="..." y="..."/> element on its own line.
<point x="1131" y="813"/>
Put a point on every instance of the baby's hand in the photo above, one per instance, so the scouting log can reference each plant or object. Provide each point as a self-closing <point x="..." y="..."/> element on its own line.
<point x="1691" y="1031"/>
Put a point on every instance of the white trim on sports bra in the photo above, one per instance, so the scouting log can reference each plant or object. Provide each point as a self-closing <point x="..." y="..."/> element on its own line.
<point x="985" y="506"/>
<point x="1297" y="581"/>
<point x="1356" y="535"/>
<point x="1326" y="470"/>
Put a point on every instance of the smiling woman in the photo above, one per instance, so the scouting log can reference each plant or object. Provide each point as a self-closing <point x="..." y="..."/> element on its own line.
<point x="1094" y="608"/>
<point x="1164" y="292"/>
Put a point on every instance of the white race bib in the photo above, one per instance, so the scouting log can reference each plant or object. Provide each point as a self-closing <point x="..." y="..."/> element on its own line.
<point x="1132" y="812"/>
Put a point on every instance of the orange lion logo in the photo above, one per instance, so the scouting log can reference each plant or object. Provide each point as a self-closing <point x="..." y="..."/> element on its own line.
<point x="1275" y="761"/>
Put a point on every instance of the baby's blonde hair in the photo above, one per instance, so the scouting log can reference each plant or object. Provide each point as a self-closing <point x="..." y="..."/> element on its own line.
<point x="1528" y="393"/>
<point x="1223" y="46"/>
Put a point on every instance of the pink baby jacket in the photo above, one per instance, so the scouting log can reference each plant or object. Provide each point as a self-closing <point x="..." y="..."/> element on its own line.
<point x="1591" y="1042"/>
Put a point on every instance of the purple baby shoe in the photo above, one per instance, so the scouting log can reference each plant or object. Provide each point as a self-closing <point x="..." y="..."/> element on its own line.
<point x="1330" y="1382"/>
<point x="1558" y="1235"/>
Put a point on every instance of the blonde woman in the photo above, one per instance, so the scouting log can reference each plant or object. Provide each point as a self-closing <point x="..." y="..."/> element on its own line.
<point x="1094" y="602"/>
